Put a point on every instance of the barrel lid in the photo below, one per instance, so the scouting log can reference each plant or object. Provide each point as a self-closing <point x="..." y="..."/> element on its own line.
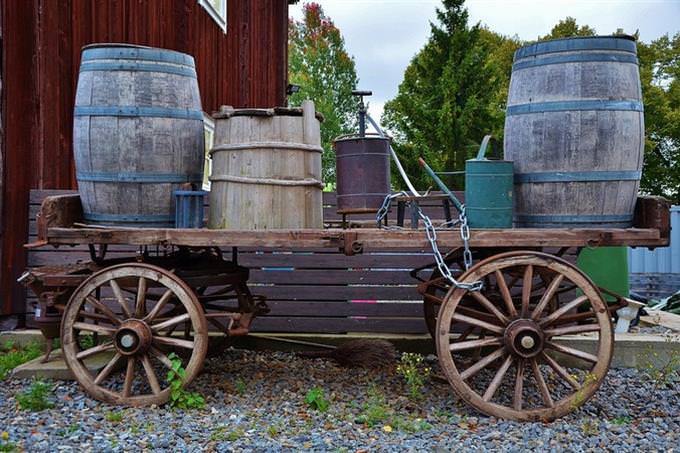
<point x="621" y="43"/>
<point x="124" y="51"/>
<point x="227" y="111"/>
<point x="367" y="136"/>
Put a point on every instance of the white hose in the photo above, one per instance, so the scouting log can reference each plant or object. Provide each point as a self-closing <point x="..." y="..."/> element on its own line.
<point x="396" y="159"/>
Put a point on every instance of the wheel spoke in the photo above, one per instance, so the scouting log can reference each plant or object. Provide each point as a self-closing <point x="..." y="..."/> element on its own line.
<point x="170" y="341"/>
<point x="505" y="292"/>
<point x="129" y="376"/>
<point x="564" y="374"/>
<point x="141" y="297"/>
<point x="159" y="305"/>
<point x="106" y="311"/>
<point x="95" y="350"/>
<point x="561" y="311"/>
<point x="477" y="322"/>
<point x="486" y="303"/>
<point x="151" y="375"/>
<point x="572" y="352"/>
<point x="486" y="361"/>
<point x="547" y="295"/>
<point x="527" y="285"/>
<point x="471" y="344"/>
<point x="519" y="386"/>
<point x="540" y="382"/>
<point x="120" y="298"/>
<point x="170" y="322"/>
<point x="161" y="356"/>
<point x="104" y="373"/>
<point x="582" y="328"/>
<point x="497" y="379"/>
<point x="94" y="328"/>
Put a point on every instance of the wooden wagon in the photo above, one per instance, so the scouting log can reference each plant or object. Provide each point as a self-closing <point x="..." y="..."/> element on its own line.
<point x="165" y="298"/>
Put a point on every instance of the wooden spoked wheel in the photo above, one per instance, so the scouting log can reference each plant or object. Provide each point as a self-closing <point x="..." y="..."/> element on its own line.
<point x="133" y="310"/>
<point x="527" y="332"/>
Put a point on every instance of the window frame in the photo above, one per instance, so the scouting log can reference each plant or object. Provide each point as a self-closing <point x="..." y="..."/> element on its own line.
<point x="220" y="17"/>
<point x="208" y="130"/>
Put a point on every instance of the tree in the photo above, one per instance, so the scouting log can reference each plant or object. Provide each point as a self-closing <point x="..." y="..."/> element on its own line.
<point x="660" y="76"/>
<point x="568" y="28"/>
<point x="449" y="97"/>
<point x="326" y="74"/>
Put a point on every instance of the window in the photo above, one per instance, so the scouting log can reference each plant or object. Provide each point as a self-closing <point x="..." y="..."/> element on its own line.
<point x="208" y="134"/>
<point x="217" y="10"/>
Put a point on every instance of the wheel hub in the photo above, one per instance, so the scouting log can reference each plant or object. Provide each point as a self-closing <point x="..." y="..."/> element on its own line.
<point x="524" y="338"/>
<point x="133" y="337"/>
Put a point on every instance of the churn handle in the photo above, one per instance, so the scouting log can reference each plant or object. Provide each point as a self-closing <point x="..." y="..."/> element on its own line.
<point x="482" y="148"/>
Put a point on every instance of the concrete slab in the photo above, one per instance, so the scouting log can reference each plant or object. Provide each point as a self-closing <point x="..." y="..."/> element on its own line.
<point x="56" y="368"/>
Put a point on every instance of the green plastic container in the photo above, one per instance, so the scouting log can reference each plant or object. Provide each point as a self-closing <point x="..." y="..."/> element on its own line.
<point x="607" y="267"/>
<point x="488" y="191"/>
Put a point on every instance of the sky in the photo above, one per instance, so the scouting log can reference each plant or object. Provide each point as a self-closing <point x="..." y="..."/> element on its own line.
<point x="383" y="35"/>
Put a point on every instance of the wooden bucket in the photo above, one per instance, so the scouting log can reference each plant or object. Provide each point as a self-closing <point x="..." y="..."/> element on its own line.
<point x="575" y="130"/>
<point x="137" y="133"/>
<point x="266" y="169"/>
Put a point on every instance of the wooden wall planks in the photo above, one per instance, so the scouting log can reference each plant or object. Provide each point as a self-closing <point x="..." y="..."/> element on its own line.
<point x="246" y="67"/>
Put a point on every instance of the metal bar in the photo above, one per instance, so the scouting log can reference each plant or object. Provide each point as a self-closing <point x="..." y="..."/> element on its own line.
<point x="441" y="184"/>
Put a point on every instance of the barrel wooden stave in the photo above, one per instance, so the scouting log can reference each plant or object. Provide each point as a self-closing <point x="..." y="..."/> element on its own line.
<point x="240" y="205"/>
<point x="141" y="149"/>
<point x="596" y="131"/>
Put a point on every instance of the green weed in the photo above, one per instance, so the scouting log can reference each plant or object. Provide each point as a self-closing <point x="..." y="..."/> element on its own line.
<point x="660" y="374"/>
<point x="114" y="417"/>
<point x="36" y="397"/>
<point x="180" y="398"/>
<point x="621" y="420"/>
<point x="12" y="356"/>
<point x="412" y="369"/>
<point x="240" y="386"/>
<point x="315" y="399"/>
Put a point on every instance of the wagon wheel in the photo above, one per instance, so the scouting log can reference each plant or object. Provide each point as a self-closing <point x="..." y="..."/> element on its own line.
<point x="135" y="330"/>
<point x="521" y="335"/>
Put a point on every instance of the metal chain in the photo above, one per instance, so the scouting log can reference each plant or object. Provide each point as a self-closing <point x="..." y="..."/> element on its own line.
<point x="431" y="233"/>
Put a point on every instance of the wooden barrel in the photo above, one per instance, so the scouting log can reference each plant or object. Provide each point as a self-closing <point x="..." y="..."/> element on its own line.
<point x="266" y="169"/>
<point x="574" y="128"/>
<point x="137" y="133"/>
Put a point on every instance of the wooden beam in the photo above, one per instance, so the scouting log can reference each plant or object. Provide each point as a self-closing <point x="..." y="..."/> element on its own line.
<point x="370" y="238"/>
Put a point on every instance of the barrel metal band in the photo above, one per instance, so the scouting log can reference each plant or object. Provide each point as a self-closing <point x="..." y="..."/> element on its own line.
<point x="138" y="67"/>
<point x="132" y="177"/>
<point x="141" y="218"/>
<point x="575" y="44"/>
<point x="577" y="176"/>
<point x="129" y="111"/>
<point x="576" y="58"/>
<point x="118" y="53"/>
<point x="540" y="218"/>
<point x="268" y="181"/>
<point x="340" y="156"/>
<point x="565" y="106"/>
<point x="263" y="145"/>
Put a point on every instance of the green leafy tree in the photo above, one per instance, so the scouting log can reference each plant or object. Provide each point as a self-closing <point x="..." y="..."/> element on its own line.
<point x="568" y="28"/>
<point x="449" y="97"/>
<point x="326" y="74"/>
<point x="660" y="76"/>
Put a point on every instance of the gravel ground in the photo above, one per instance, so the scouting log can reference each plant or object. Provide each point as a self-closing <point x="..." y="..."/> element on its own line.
<point x="255" y="402"/>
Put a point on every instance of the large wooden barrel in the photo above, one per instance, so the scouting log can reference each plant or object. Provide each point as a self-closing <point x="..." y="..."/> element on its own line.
<point x="137" y="133"/>
<point x="266" y="169"/>
<point x="575" y="131"/>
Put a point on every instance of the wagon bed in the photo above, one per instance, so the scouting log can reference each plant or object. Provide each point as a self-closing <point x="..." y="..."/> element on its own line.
<point x="60" y="217"/>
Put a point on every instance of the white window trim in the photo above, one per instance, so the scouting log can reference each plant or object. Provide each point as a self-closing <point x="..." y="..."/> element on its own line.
<point x="218" y="16"/>
<point x="208" y="126"/>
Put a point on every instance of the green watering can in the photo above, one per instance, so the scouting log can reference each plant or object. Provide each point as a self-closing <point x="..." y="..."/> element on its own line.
<point x="488" y="190"/>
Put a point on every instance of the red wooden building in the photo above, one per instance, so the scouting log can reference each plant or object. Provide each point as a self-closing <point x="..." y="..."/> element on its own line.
<point x="240" y="48"/>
